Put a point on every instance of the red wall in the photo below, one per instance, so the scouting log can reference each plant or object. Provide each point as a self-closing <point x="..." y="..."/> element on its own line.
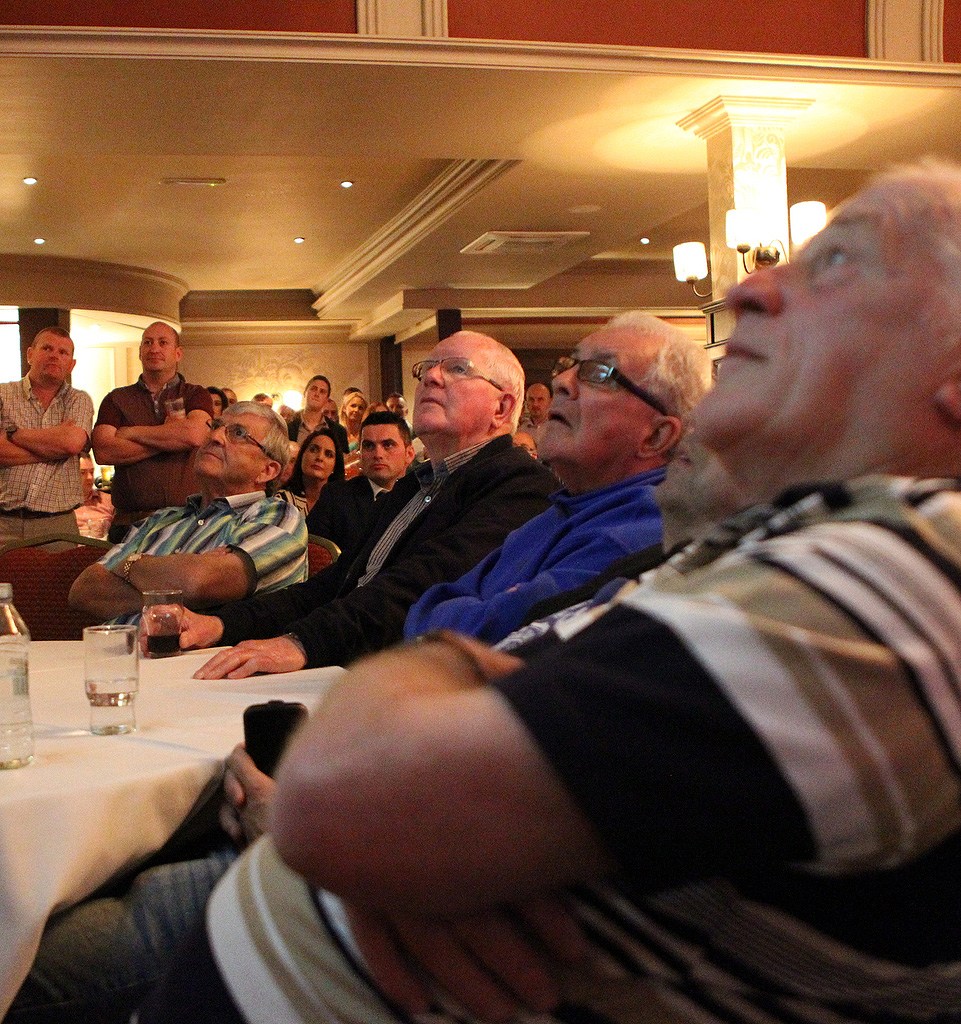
<point x="952" y="30"/>
<point x="252" y="15"/>
<point x="825" y="27"/>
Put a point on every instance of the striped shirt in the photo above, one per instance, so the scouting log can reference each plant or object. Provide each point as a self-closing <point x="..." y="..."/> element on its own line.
<point x="269" y="532"/>
<point x="431" y="477"/>
<point x="766" y="734"/>
<point x="43" y="486"/>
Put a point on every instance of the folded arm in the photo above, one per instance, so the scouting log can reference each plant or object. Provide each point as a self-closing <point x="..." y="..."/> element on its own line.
<point x="52" y="444"/>
<point x="13" y="455"/>
<point x="173" y="435"/>
<point x="415" y="736"/>
<point x="112" y="449"/>
<point x="206" y="579"/>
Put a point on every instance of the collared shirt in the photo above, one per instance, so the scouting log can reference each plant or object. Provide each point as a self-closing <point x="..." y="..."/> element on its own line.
<point x="165" y="478"/>
<point x="431" y="477"/>
<point x="43" y="486"/>
<point x="269" y="532"/>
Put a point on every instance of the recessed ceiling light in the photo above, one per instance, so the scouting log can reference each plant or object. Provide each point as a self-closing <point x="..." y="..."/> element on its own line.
<point x="346" y="184"/>
<point x="39" y="241"/>
<point x="589" y="208"/>
<point x="29" y="181"/>
<point x="299" y="240"/>
<point x="188" y="182"/>
<point x="645" y="241"/>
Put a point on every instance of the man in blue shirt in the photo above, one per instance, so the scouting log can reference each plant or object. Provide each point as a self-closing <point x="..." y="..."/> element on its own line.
<point x="620" y="404"/>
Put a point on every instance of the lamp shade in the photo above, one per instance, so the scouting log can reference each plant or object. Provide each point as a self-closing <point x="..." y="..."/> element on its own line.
<point x="690" y="261"/>
<point x="807" y="219"/>
<point x="744" y="228"/>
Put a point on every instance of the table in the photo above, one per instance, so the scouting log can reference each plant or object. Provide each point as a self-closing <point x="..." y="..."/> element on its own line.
<point x="91" y="807"/>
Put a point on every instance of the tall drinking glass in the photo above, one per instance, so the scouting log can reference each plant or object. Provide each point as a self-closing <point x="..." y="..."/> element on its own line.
<point x="111" y="676"/>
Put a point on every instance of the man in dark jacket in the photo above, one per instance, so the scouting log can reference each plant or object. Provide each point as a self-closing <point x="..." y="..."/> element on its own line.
<point x="347" y="509"/>
<point x="436" y="524"/>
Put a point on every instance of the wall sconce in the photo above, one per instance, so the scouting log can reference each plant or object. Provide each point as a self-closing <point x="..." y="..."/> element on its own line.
<point x="745" y="232"/>
<point x="690" y="265"/>
<point x="807" y="219"/>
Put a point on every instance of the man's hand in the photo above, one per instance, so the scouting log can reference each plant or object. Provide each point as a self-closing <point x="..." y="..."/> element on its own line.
<point x="253" y="656"/>
<point x="248" y="794"/>
<point x="497" y="964"/>
<point x="199" y="630"/>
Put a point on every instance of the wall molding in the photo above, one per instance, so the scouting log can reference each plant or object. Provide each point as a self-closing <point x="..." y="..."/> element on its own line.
<point x="197" y="44"/>
<point x="402" y="18"/>
<point x="905" y="30"/>
<point x="459" y="182"/>
<point x="270" y="332"/>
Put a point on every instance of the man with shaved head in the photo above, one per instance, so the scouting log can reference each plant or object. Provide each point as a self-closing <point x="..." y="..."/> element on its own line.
<point x="435" y="525"/>
<point x="150" y="430"/>
<point x="537" y="402"/>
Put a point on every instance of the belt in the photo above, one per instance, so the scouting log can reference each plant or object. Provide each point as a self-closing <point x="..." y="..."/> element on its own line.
<point x="29" y="513"/>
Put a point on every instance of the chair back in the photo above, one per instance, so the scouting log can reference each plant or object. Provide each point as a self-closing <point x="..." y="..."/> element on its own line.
<point x="321" y="553"/>
<point x="42" y="573"/>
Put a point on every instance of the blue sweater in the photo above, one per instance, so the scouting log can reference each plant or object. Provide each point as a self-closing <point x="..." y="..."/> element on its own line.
<point x="577" y="537"/>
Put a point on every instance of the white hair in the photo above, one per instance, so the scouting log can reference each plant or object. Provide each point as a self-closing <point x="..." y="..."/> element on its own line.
<point x="680" y="372"/>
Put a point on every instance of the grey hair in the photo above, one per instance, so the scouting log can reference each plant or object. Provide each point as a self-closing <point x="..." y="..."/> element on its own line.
<point x="922" y="202"/>
<point x="680" y="373"/>
<point x="276" y="440"/>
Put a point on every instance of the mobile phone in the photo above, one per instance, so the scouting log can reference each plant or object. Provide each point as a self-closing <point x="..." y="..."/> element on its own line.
<point x="267" y="727"/>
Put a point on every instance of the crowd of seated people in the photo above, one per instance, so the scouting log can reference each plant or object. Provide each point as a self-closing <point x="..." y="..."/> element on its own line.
<point x="711" y="770"/>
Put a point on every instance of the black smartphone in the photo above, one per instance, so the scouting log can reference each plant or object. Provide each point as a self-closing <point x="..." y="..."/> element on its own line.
<point x="267" y="727"/>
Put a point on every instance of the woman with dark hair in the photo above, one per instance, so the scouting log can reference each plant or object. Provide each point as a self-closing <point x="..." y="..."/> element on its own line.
<point x="220" y="401"/>
<point x="318" y="461"/>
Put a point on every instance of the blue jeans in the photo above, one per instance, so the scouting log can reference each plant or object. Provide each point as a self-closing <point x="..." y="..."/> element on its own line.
<point x="98" y="960"/>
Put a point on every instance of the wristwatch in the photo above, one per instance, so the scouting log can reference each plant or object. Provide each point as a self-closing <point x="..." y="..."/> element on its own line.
<point x="128" y="564"/>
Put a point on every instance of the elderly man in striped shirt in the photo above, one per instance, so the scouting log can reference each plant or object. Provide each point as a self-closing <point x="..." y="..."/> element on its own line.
<point x="229" y="541"/>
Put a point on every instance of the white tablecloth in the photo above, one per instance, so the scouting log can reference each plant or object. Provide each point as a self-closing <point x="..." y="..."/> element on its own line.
<point x="90" y="806"/>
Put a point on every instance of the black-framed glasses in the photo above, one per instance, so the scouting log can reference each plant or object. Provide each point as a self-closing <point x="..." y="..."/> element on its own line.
<point x="594" y="371"/>
<point x="452" y="368"/>
<point x="237" y="433"/>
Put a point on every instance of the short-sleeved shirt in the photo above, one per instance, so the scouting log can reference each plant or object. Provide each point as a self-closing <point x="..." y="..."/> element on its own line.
<point x="766" y="734"/>
<point x="164" y="479"/>
<point x="269" y="532"/>
<point x="43" y="486"/>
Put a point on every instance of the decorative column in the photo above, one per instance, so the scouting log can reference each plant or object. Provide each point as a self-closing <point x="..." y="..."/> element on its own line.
<point x="746" y="170"/>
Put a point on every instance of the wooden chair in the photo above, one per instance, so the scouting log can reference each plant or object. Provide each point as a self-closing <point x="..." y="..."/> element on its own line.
<point x="42" y="573"/>
<point x="321" y="553"/>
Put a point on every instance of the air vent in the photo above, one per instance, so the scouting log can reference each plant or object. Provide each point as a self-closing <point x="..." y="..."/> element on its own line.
<point x="522" y="243"/>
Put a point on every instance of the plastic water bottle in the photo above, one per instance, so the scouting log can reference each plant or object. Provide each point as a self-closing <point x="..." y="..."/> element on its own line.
<point x="16" y="725"/>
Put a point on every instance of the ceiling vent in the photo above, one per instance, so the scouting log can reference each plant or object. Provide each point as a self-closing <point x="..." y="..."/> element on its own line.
<point x="522" y="243"/>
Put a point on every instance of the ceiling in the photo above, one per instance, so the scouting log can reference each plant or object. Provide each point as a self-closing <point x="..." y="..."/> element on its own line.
<point x="442" y="144"/>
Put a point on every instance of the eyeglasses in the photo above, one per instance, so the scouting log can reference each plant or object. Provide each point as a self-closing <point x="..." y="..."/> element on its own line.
<point x="237" y="433"/>
<point x="593" y="371"/>
<point x="452" y="368"/>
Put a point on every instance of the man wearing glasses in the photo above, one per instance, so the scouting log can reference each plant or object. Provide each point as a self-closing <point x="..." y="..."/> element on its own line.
<point x="227" y="542"/>
<point x="435" y="525"/>
<point x="620" y="404"/>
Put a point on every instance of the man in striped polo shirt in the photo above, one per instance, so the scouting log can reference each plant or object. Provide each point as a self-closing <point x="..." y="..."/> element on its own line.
<point x="229" y="541"/>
